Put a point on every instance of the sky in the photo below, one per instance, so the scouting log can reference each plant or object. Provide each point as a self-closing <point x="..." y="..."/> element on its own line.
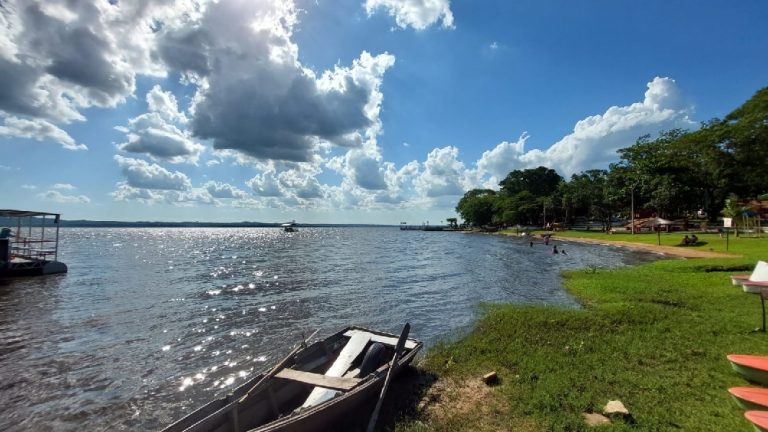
<point x="345" y="111"/>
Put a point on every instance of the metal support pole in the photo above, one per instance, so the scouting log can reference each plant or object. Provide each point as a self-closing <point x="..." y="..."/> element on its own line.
<point x="42" y="237"/>
<point x="56" y="220"/>
<point x="633" y="209"/>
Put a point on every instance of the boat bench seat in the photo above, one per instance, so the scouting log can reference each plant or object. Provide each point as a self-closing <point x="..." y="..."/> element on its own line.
<point x="325" y="381"/>
<point x="386" y="340"/>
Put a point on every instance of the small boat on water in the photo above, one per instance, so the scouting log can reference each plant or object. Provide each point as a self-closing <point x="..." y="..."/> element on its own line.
<point x="289" y="226"/>
<point x="32" y="247"/>
<point x="752" y="367"/>
<point x="313" y="387"/>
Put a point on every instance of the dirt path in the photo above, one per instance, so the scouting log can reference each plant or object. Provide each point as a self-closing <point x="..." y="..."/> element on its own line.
<point x="685" y="252"/>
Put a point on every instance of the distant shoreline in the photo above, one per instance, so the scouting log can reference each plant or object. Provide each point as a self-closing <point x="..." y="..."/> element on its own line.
<point x="159" y="224"/>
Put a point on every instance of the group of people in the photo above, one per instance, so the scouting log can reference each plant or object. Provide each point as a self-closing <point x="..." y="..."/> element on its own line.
<point x="555" y="250"/>
<point x="692" y="240"/>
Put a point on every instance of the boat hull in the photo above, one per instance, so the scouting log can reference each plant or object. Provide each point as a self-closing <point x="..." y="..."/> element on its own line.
<point x="752" y="368"/>
<point x="750" y="398"/>
<point x="759" y="420"/>
<point x="33" y="269"/>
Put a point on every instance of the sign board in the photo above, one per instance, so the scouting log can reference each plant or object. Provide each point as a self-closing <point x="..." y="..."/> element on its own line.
<point x="727" y="222"/>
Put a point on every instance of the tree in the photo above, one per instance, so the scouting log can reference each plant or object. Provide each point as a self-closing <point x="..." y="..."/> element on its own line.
<point x="476" y="207"/>
<point x="540" y="182"/>
<point x="745" y="137"/>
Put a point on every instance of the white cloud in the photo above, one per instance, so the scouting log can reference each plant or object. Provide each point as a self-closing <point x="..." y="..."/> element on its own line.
<point x="143" y="175"/>
<point x="266" y="184"/>
<point x="502" y="159"/>
<point x="64" y="186"/>
<point x="58" y="56"/>
<point x="39" y="130"/>
<point x="28" y="187"/>
<point x="595" y="139"/>
<point x="155" y="134"/>
<point x="443" y="175"/>
<point x="58" y="197"/>
<point x="223" y="190"/>
<point x="150" y="134"/>
<point x="418" y="14"/>
<point x="164" y="103"/>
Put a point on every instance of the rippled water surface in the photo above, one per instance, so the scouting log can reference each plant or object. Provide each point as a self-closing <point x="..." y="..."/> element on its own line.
<point x="150" y="323"/>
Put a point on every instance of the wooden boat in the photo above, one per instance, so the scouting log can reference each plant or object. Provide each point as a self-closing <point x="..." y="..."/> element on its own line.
<point x="753" y="368"/>
<point x="750" y="398"/>
<point x="759" y="420"/>
<point x="310" y="389"/>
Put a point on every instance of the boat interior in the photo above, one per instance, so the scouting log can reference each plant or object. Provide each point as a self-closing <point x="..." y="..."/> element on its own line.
<point x="336" y="367"/>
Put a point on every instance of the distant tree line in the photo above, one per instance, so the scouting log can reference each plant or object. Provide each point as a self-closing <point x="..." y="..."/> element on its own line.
<point x="675" y="175"/>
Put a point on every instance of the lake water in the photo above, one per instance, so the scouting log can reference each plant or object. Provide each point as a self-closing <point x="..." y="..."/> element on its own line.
<point x="150" y="323"/>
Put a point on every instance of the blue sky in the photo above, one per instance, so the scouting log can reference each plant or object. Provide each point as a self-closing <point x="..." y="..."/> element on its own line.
<point x="348" y="111"/>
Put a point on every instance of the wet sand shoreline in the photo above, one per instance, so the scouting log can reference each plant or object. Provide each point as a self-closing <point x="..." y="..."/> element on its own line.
<point x="682" y="252"/>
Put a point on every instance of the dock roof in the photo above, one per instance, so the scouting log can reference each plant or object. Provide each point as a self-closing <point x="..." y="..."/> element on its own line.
<point x="25" y="213"/>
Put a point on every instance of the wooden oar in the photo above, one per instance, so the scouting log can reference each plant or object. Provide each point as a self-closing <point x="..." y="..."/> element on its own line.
<point x="259" y="385"/>
<point x="398" y="351"/>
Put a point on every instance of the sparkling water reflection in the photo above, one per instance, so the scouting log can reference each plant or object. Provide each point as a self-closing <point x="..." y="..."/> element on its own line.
<point x="150" y="323"/>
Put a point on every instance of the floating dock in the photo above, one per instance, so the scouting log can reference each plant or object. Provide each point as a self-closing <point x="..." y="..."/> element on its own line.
<point x="30" y="250"/>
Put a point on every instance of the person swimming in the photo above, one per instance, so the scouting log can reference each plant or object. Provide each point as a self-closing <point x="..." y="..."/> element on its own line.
<point x="554" y="249"/>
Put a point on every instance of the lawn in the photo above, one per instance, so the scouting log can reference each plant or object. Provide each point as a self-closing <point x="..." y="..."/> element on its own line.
<point x="653" y="336"/>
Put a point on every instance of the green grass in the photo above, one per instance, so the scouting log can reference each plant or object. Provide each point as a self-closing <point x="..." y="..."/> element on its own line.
<point x="653" y="336"/>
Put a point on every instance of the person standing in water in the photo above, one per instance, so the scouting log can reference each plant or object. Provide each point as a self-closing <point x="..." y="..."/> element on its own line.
<point x="554" y="249"/>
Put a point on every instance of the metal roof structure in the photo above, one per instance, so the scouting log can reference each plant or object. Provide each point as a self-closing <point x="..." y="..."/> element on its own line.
<point x="25" y="213"/>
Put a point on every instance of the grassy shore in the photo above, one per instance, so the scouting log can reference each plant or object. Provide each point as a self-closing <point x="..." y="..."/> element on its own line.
<point x="653" y="336"/>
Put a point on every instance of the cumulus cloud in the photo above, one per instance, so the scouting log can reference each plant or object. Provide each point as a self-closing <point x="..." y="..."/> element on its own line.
<point x="443" y="175"/>
<point x="595" y="139"/>
<point x="223" y="190"/>
<point x="164" y="104"/>
<point x="254" y="96"/>
<point x="418" y="14"/>
<point x="64" y="186"/>
<point x="155" y="134"/>
<point x="143" y="175"/>
<point x="502" y="159"/>
<point x="266" y="184"/>
<point x="58" y="197"/>
<point x="187" y="198"/>
<point x="58" y="56"/>
<point x="39" y="130"/>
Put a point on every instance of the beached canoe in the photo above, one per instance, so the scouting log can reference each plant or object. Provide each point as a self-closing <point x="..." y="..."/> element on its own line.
<point x="309" y="390"/>
<point x="759" y="419"/>
<point x="754" y="287"/>
<point x="750" y="398"/>
<point x="753" y="368"/>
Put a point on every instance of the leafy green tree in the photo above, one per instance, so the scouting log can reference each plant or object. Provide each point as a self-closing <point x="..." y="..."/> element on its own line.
<point x="745" y="137"/>
<point x="540" y="182"/>
<point x="476" y="207"/>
